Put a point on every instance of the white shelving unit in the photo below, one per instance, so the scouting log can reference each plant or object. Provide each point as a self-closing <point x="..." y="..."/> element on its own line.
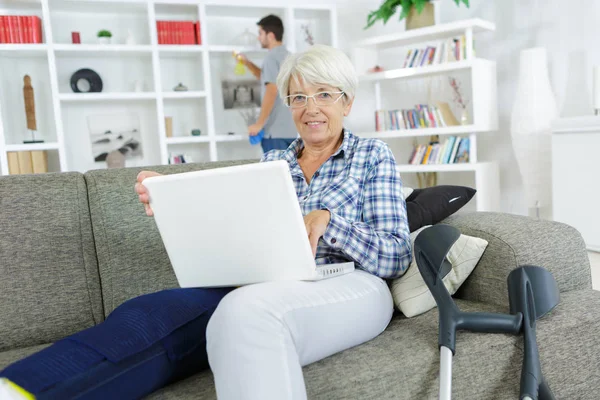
<point x="478" y="74"/>
<point x="62" y="115"/>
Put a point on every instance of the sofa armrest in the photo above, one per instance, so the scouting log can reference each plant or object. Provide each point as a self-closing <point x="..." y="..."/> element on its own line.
<point x="515" y="240"/>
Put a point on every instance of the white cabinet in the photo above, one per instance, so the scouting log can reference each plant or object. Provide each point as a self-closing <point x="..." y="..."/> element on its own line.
<point x="576" y="176"/>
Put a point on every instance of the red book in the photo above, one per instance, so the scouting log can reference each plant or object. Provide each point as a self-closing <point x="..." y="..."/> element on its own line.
<point x="20" y="38"/>
<point x="2" y="30"/>
<point x="189" y="33"/>
<point x="37" y="30"/>
<point x="179" y="30"/>
<point x="192" y="33"/>
<point x="13" y="26"/>
<point x="30" y="29"/>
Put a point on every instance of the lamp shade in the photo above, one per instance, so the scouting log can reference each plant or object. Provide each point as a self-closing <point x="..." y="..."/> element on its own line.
<point x="533" y="111"/>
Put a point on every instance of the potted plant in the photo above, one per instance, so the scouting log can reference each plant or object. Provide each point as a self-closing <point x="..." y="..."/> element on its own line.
<point x="418" y="13"/>
<point x="104" y="36"/>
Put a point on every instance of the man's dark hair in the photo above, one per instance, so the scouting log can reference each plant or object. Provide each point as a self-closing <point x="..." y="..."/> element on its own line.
<point x="272" y="23"/>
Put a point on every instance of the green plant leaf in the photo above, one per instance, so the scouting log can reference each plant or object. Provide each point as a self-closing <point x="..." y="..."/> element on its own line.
<point x="420" y="5"/>
<point x="406" y="5"/>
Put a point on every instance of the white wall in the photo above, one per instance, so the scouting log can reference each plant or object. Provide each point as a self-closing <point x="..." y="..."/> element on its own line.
<point x="569" y="33"/>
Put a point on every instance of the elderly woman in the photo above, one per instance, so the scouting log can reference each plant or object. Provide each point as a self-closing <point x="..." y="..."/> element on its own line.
<point x="260" y="336"/>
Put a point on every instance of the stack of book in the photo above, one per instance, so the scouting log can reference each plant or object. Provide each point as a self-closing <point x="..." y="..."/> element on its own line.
<point x="422" y="116"/>
<point x="178" y="32"/>
<point x="27" y="162"/>
<point x="452" y="150"/>
<point x="20" y="29"/>
<point x="452" y="49"/>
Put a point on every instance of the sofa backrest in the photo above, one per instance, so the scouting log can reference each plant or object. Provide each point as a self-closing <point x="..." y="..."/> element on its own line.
<point x="131" y="257"/>
<point x="49" y="283"/>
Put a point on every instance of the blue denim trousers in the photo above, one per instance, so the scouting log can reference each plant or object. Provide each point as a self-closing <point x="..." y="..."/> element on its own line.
<point x="146" y="343"/>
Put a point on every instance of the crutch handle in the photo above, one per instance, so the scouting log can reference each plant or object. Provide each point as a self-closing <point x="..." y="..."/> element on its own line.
<point x="490" y="322"/>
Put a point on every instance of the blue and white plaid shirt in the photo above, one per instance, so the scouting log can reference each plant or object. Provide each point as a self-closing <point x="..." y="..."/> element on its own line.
<point x="361" y="188"/>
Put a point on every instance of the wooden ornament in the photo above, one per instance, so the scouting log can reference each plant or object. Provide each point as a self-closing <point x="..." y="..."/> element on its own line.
<point x="29" y="103"/>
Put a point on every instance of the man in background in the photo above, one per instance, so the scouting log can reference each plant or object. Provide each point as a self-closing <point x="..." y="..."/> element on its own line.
<point x="275" y="118"/>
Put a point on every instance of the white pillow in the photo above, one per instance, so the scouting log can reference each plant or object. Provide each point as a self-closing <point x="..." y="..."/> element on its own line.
<point x="411" y="294"/>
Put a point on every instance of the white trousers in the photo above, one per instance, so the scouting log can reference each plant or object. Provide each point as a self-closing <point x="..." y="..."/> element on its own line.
<point x="260" y="336"/>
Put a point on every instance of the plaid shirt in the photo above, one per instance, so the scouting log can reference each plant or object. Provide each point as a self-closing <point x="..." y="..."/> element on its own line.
<point x="360" y="187"/>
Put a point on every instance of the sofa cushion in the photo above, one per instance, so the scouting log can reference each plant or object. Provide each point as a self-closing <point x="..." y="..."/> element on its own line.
<point x="403" y="362"/>
<point x="515" y="240"/>
<point x="49" y="284"/>
<point x="131" y="256"/>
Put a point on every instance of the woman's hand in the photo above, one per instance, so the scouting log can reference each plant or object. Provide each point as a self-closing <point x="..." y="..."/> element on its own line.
<point x="143" y="192"/>
<point x="316" y="223"/>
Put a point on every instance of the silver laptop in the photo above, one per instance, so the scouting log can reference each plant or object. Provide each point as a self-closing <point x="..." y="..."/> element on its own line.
<point x="235" y="226"/>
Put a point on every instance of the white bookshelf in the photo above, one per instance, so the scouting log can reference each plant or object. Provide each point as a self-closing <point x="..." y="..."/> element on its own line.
<point x="479" y="86"/>
<point x="62" y="115"/>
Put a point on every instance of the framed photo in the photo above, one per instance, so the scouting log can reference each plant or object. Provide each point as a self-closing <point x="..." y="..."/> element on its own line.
<point x="116" y="132"/>
<point x="241" y="93"/>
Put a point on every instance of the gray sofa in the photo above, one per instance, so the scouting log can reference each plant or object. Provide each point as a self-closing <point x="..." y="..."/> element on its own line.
<point x="73" y="247"/>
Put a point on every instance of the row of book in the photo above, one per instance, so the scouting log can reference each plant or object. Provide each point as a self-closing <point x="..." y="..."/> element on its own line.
<point x="20" y="29"/>
<point x="452" y="150"/>
<point x="453" y="49"/>
<point x="422" y="116"/>
<point x="178" y="32"/>
<point x="27" y="162"/>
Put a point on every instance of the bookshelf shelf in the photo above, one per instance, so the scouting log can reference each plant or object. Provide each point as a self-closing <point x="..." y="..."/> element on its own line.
<point x="428" y="34"/>
<point x="99" y="50"/>
<point x="231" y="138"/>
<point x="417" y="72"/>
<point x="107" y="96"/>
<point x="196" y="94"/>
<point x="32" y="147"/>
<point x="407" y="133"/>
<point x="180" y="48"/>
<point x="459" y="167"/>
<point x="23" y="50"/>
<point x="188" y="139"/>
<point x="241" y="49"/>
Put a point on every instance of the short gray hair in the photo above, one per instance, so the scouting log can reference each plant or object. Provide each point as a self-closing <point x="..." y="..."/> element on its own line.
<point x="319" y="64"/>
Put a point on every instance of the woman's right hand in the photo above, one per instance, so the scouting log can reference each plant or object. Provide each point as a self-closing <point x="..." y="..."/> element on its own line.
<point x="143" y="192"/>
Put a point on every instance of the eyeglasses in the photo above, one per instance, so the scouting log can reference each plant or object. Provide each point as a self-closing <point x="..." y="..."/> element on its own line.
<point x="320" y="99"/>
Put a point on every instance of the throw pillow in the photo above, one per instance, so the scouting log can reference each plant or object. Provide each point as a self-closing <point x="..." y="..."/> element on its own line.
<point x="410" y="292"/>
<point x="431" y="205"/>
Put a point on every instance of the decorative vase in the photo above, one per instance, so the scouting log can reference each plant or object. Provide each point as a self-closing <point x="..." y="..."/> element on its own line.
<point x="130" y="40"/>
<point x="533" y="111"/>
<point x="414" y="20"/>
<point x="464" y="117"/>
<point x="103" y="40"/>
